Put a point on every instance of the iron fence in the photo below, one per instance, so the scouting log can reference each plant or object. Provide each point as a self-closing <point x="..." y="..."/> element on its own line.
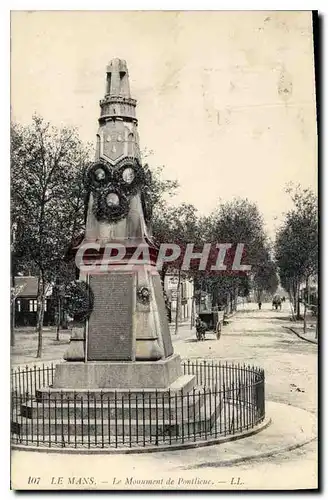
<point x="224" y="399"/>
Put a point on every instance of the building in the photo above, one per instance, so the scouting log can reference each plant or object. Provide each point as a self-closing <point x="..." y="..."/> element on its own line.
<point x="312" y="289"/>
<point x="186" y="296"/>
<point x="26" y="302"/>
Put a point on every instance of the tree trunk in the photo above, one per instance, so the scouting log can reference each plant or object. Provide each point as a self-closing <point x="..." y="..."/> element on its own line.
<point x="12" y="323"/>
<point x="12" y="310"/>
<point x="214" y="296"/>
<point x="294" y="293"/>
<point x="58" y="317"/>
<point x="292" y="304"/>
<point x="235" y="298"/>
<point x="40" y="313"/>
<point x="12" y="305"/>
<point x="192" y="316"/>
<point x="306" y="301"/>
<point x="162" y="276"/>
<point x="230" y="303"/>
<point x="227" y="304"/>
<point x="177" y="309"/>
<point x="298" y="313"/>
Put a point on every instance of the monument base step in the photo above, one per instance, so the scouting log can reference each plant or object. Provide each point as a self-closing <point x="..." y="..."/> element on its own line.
<point x="126" y="407"/>
<point x="182" y="385"/>
<point x="118" y="375"/>
<point x="184" y="422"/>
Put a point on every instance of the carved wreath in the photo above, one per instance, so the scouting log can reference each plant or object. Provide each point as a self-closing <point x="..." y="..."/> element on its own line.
<point x="113" y="187"/>
<point x="129" y="176"/>
<point x="98" y="175"/>
<point x="79" y="300"/>
<point x="110" y="204"/>
<point x="143" y="295"/>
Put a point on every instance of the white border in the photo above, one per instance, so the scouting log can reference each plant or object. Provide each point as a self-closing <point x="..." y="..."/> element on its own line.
<point x="5" y="161"/>
<point x="165" y="5"/>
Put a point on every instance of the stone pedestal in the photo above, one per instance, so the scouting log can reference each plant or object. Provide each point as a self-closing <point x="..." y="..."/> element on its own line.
<point x="123" y="326"/>
<point x="118" y="375"/>
<point x="131" y="416"/>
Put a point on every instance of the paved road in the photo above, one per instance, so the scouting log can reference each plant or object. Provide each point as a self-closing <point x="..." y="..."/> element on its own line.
<point x="259" y="338"/>
<point x="252" y="337"/>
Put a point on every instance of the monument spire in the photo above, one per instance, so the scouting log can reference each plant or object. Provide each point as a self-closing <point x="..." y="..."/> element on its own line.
<point x="117" y="103"/>
<point x="117" y="163"/>
<point x="117" y="81"/>
<point x="118" y="209"/>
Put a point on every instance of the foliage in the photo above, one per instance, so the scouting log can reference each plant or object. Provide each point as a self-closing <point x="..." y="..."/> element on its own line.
<point x="265" y="277"/>
<point x="238" y="221"/>
<point x="157" y="189"/>
<point x="47" y="194"/>
<point x="296" y="246"/>
<point x="79" y="300"/>
<point x="178" y="225"/>
<point x="235" y="221"/>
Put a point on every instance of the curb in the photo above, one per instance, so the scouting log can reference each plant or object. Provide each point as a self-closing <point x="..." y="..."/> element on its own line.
<point x="137" y="451"/>
<point x="36" y="363"/>
<point x="301" y="336"/>
<point x="236" y="461"/>
<point x="273" y="437"/>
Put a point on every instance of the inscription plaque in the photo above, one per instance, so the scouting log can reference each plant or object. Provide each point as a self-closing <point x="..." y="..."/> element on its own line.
<point x="110" y="331"/>
<point x="165" y="329"/>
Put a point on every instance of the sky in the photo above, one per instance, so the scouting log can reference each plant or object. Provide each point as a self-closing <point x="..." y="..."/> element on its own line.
<point x="226" y="100"/>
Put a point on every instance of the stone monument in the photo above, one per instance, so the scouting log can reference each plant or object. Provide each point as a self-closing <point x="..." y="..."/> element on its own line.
<point x="120" y="361"/>
<point x="125" y="342"/>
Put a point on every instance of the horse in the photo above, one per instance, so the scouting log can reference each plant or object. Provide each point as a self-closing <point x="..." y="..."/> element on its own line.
<point x="200" y="329"/>
<point x="276" y="303"/>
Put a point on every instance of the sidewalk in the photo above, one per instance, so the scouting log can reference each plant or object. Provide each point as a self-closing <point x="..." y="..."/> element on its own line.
<point x="251" y="337"/>
<point x="26" y="341"/>
<point x="309" y="336"/>
<point x="290" y="429"/>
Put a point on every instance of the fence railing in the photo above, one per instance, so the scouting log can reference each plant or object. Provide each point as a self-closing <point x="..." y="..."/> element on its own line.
<point x="227" y="399"/>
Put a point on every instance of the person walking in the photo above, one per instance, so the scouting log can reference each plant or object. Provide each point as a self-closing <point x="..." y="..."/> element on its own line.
<point x="260" y="305"/>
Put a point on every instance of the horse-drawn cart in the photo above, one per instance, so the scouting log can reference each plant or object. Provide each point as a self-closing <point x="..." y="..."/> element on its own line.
<point x="213" y="321"/>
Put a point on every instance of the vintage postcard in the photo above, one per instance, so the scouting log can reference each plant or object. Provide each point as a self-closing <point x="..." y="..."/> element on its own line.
<point x="164" y="250"/>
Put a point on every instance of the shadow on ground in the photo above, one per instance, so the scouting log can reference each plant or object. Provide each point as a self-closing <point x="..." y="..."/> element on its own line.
<point x="190" y="341"/>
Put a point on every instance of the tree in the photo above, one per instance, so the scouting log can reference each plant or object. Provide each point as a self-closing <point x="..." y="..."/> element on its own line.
<point x="178" y="225"/>
<point x="236" y="221"/>
<point x="296" y="247"/>
<point x="157" y="190"/>
<point x="265" y="277"/>
<point x="47" y="196"/>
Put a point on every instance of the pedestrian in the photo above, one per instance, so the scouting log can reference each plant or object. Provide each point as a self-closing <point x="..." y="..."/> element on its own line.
<point x="260" y="305"/>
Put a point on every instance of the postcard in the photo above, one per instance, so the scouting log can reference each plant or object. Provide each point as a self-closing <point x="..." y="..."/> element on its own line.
<point x="164" y="250"/>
